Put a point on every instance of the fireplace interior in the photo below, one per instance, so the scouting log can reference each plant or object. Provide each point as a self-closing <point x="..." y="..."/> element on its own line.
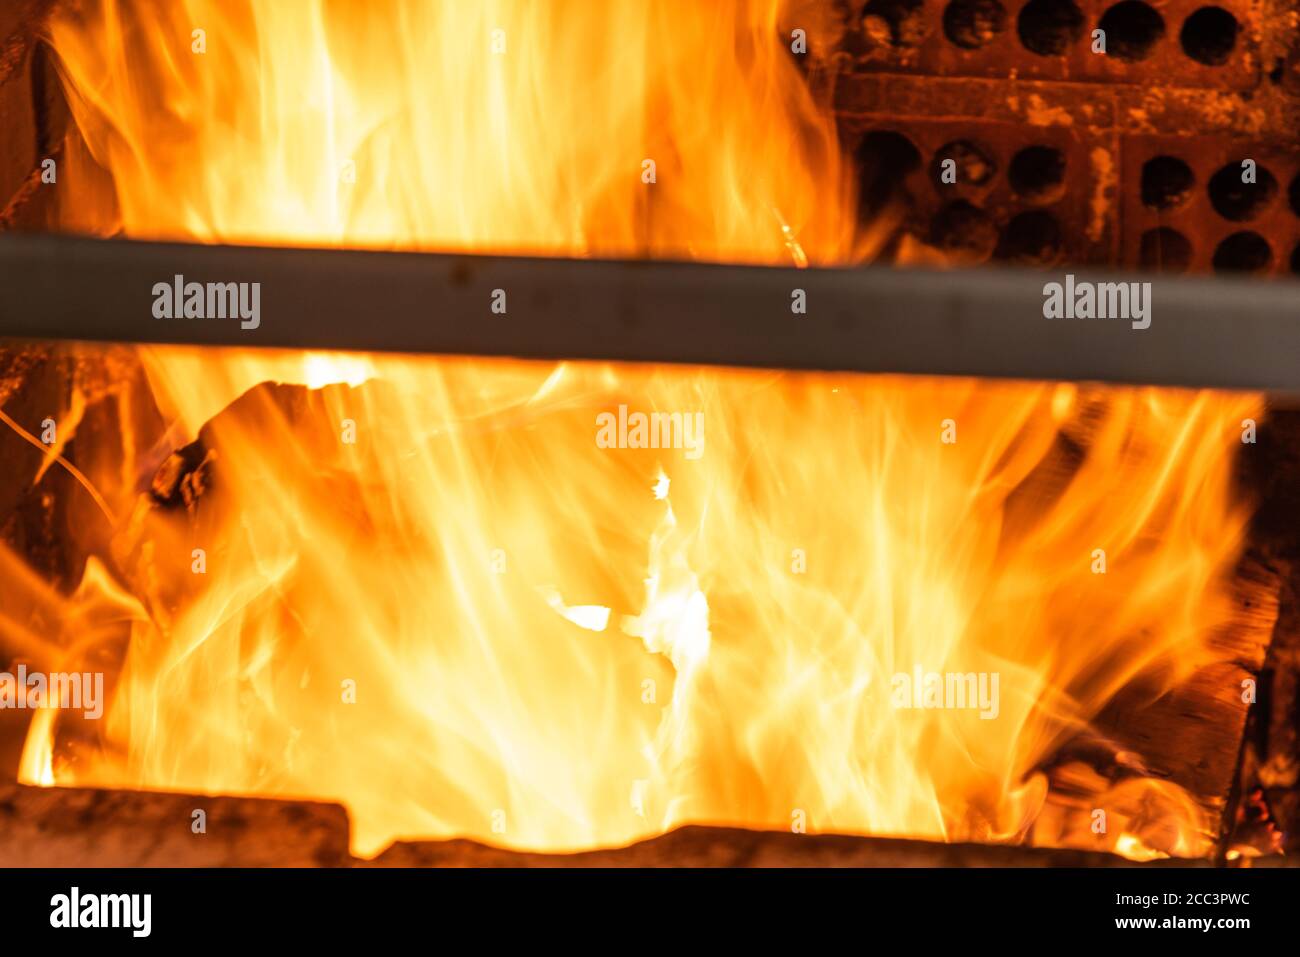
<point x="634" y="561"/>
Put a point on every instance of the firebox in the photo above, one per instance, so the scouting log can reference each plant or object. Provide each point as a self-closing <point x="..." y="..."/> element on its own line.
<point x="436" y="434"/>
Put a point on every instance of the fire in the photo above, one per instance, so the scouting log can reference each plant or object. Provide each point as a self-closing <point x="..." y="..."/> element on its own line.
<point x="474" y="620"/>
<point x="421" y="586"/>
<point x="664" y="128"/>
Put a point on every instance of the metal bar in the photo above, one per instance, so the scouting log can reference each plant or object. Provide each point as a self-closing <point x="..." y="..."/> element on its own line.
<point x="1225" y="333"/>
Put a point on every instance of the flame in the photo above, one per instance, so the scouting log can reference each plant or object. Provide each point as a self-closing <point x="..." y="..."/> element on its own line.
<point x="423" y="587"/>
<point x="477" y="621"/>
<point x="641" y="127"/>
<point x="36" y="764"/>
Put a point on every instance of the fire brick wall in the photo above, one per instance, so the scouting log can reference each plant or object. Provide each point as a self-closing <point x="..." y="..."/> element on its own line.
<point x="1067" y="154"/>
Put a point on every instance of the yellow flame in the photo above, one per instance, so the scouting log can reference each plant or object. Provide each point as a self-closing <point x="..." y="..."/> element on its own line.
<point x="628" y="128"/>
<point x="476" y="609"/>
<point x="36" y="764"/>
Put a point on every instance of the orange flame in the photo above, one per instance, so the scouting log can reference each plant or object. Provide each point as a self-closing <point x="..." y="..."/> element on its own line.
<point x="433" y="594"/>
<point x="640" y="127"/>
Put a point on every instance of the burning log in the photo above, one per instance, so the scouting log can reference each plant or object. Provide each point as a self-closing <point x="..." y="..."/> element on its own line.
<point x="1192" y="735"/>
<point x="1270" y="810"/>
<point x="696" y="846"/>
<point x="82" y="827"/>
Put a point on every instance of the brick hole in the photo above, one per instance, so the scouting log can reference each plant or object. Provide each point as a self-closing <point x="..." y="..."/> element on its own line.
<point x="885" y="160"/>
<point x="1132" y="28"/>
<point x="1295" y="260"/>
<point x="1037" y="174"/>
<point x="1165" y="250"/>
<point x="964" y="232"/>
<point x="1209" y="35"/>
<point x="971" y="24"/>
<point x="1243" y="252"/>
<point x="974" y="166"/>
<point x="1237" y="201"/>
<point x="1032" y="238"/>
<point x="1293" y="195"/>
<point x="1167" y="182"/>
<point x="1048" y="27"/>
<point x="904" y="18"/>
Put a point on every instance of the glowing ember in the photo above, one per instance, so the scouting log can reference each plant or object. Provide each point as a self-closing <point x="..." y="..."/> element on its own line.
<point x="433" y="594"/>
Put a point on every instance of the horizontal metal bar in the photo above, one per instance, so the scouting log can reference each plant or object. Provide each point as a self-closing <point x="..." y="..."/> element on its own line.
<point x="1210" y="332"/>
